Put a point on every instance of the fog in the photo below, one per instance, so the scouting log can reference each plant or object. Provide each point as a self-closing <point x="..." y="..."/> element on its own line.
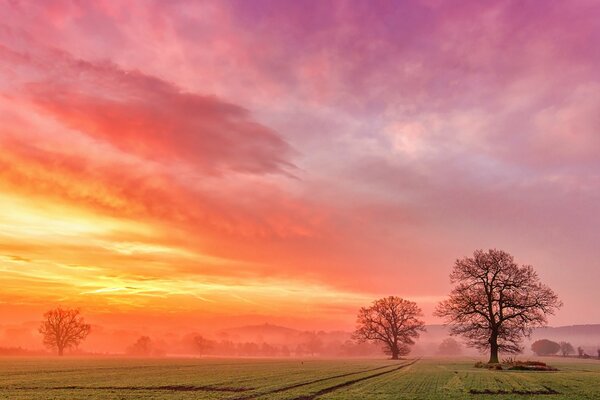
<point x="262" y="340"/>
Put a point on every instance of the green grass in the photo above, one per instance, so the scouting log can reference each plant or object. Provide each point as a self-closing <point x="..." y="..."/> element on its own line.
<point x="252" y="379"/>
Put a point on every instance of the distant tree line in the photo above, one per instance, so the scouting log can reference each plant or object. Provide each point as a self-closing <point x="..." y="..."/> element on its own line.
<point x="19" y="351"/>
<point x="310" y="346"/>
<point x="545" y="347"/>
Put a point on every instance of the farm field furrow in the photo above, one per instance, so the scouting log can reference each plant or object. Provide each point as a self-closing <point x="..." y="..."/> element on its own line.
<point x="271" y="379"/>
<point x="447" y="379"/>
<point x="160" y="378"/>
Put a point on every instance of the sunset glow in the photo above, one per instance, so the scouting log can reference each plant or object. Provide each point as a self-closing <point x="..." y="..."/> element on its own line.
<point x="208" y="164"/>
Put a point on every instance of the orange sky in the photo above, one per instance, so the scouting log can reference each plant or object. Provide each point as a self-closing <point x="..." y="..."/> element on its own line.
<point x="219" y="164"/>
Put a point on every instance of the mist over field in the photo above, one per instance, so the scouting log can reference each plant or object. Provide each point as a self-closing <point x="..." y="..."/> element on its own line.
<point x="266" y="340"/>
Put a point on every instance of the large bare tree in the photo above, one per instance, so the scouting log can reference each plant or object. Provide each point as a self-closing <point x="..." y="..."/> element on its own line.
<point x="63" y="328"/>
<point x="495" y="303"/>
<point x="392" y="321"/>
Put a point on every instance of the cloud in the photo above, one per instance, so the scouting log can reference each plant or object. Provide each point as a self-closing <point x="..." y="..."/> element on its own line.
<point x="145" y="115"/>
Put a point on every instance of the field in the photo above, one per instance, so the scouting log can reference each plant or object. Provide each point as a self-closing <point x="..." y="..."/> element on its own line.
<point x="252" y="379"/>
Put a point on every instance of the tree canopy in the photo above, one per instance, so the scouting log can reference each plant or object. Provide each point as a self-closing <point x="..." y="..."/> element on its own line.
<point x="545" y="347"/>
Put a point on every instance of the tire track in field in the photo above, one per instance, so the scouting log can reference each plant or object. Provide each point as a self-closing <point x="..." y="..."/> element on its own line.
<point x="297" y="385"/>
<point x="112" y="368"/>
<point x="172" y="388"/>
<point x="351" y="382"/>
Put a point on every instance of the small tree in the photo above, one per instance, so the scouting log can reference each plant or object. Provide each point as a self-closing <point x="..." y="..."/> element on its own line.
<point x="449" y="347"/>
<point x="392" y="321"/>
<point x="545" y="347"/>
<point x="495" y="303"/>
<point x="143" y="347"/>
<point x="63" y="329"/>
<point x="580" y="351"/>
<point x="202" y="345"/>
<point x="566" y="348"/>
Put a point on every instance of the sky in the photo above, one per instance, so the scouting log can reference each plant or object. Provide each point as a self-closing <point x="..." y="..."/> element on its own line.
<point x="167" y="163"/>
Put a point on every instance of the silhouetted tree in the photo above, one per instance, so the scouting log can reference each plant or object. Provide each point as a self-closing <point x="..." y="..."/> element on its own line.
<point x="545" y="347"/>
<point x="566" y="348"/>
<point x="63" y="328"/>
<point x="580" y="351"/>
<point x="142" y="347"/>
<point x="392" y="321"/>
<point x="202" y="345"/>
<point x="449" y="347"/>
<point x="495" y="302"/>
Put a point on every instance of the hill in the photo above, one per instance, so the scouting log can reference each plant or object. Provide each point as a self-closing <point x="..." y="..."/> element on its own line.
<point x="260" y="333"/>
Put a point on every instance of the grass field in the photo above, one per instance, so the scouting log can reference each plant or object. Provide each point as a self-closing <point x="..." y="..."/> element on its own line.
<point x="250" y="379"/>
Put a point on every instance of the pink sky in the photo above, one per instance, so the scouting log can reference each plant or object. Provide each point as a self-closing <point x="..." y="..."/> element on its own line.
<point x="290" y="161"/>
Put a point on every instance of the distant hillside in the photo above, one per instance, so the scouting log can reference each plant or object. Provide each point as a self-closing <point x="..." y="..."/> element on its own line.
<point x="584" y="330"/>
<point x="590" y="332"/>
<point x="260" y="333"/>
<point x="578" y="335"/>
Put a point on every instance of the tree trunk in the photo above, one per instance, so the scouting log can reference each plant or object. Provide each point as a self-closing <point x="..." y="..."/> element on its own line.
<point x="395" y="352"/>
<point x="493" y="350"/>
<point x="60" y="351"/>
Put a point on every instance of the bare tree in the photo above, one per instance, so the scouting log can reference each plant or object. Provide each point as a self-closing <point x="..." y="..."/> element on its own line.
<point x="495" y="303"/>
<point x="392" y="321"/>
<point x="566" y="348"/>
<point x="63" y="328"/>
